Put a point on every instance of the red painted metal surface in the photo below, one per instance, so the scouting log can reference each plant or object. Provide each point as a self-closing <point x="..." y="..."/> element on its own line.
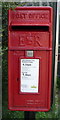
<point x="30" y="28"/>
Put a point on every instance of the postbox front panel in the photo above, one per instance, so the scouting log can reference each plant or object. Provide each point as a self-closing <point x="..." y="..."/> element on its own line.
<point x="29" y="95"/>
<point x="30" y="58"/>
<point x="37" y="37"/>
<point x="35" y="27"/>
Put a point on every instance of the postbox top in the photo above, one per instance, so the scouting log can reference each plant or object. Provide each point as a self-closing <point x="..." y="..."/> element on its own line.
<point x="30" y="16"/>
<point x="33" y="7"/>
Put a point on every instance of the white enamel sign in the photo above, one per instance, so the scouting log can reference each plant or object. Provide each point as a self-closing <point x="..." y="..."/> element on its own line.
<point x="29" y="75"/>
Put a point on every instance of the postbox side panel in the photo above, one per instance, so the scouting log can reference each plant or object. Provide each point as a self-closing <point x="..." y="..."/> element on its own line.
<point x="30" y="101"/>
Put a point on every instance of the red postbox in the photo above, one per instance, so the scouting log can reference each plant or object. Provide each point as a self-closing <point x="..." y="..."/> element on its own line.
<point x="30" y="58"/>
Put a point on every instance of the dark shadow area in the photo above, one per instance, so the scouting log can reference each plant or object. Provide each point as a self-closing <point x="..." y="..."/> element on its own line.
<point x="31" y="28"/>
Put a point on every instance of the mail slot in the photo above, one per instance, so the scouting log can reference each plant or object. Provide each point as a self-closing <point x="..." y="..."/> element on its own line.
<point x="29" y="58"/>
